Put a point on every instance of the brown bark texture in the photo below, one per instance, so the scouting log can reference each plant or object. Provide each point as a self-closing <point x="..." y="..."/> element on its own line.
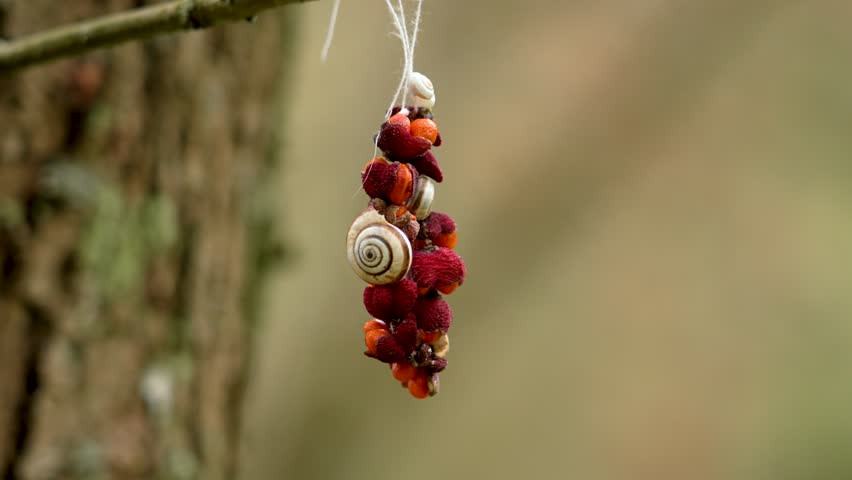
<point x="133" y="237"/>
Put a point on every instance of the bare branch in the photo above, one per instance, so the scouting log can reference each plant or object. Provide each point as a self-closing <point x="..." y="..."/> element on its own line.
<point x="135" y="24"/>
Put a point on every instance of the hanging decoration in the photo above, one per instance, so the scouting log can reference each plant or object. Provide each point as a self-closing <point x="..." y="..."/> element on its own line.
<point x="401" y="247"/>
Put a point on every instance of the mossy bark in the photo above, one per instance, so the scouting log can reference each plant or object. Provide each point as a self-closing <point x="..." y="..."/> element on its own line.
<point x="133" y="236"/>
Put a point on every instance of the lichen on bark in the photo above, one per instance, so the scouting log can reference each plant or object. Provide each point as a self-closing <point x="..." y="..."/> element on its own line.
<point x="133" y="239"/>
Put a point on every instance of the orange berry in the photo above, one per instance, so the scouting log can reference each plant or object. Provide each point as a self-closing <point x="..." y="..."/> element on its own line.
<point x="419" y="386"/>
<point x="400" y="119"/>
<point x="374" y="323"/>
<point x="425" y="128"/>
<point x="403" y="371"/>
<point x="447" y="288"/>
<point x="446" y="240"/>
<point x="423" y="290"/>
<point x="372" y="338"/>
<point x="430" y="337"/>
<point x="403" y="188"/>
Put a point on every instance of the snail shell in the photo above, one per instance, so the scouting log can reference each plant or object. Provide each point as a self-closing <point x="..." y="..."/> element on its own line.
<point x="442" y="346"/>
<point x="421" y="88"/>
<point x="420" y="203"/>
<point x="379" y="252"/>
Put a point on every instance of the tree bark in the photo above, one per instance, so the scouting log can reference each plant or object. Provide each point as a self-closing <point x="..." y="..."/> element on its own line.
<point x="134" y="235"/>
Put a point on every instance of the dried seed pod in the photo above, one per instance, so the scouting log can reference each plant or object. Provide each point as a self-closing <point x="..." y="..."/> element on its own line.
<point x="441" y="269"/>
<point x="398" y="216"/>
<point x="427" y="164"/>
<point x="379" y="252"/>
<point x="410" y="226"/>
<point x="392" y="301"/>
<point x="434" y="364"/>
<point x="440" y="229"/>
<point x="399" y="344"/>
<point x="398" y="145"/>
<point x="393" y="182"/>
<point x="432" y="313"/>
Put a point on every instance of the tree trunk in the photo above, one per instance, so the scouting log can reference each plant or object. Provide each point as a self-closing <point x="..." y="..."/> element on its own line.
<point x="133" y="238"/>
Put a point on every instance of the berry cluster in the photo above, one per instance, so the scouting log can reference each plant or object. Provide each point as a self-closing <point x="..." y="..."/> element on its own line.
<point x="405" y="251"/>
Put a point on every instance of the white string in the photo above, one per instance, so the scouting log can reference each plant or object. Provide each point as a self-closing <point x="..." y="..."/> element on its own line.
<point x="408" y="65"/>
<point x="408" y="44"/>
<point x="402" y="33"/>
<point x="329" y="34"/>
<point x="413" y="41"/>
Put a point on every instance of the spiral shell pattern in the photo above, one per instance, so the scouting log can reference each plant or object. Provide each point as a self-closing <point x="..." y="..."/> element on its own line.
<point x="420" y="203"/>
<point x="379" y="252"/>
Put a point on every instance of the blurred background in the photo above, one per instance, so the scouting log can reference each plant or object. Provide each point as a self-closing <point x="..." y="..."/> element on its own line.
<point x="653" y="204"/>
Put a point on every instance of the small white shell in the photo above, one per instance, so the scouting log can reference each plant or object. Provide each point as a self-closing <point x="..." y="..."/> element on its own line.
<point x="420" y="203"/>
<point x="441" y="347"/>
<point x="378" y="251"/>
<point x="434" y="384"/>
<point x="422" y="90"/>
